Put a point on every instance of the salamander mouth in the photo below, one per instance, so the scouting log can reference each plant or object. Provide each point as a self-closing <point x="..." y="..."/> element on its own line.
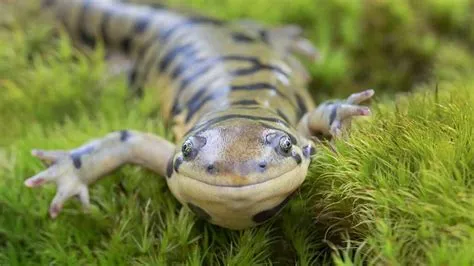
<point x="239" y="186"/>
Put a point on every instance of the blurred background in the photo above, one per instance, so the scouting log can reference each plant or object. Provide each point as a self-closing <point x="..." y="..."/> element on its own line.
<point x="388" y="45"/>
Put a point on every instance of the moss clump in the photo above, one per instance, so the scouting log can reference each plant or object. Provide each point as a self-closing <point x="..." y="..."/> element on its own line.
<point x="403" y="186"/>
<point x="399" y="191"/>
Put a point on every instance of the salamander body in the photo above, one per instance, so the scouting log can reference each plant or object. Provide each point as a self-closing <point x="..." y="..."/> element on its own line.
<point x="234" y="94"/>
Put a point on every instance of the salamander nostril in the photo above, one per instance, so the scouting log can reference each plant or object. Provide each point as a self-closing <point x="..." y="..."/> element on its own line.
<point x="211" y="169"/>
<point x="262" y="165"/>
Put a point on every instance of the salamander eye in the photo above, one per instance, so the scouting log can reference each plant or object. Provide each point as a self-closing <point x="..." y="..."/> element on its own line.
<point x="187" y="148"/>
<point x="285" y="144"/>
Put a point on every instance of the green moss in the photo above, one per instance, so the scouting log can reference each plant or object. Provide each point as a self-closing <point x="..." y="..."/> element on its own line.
<point x="406" y="177"/>
<point x="399" y="191"/>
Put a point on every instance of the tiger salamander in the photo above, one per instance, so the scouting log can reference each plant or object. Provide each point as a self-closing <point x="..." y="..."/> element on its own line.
<point x="234" y="94"/>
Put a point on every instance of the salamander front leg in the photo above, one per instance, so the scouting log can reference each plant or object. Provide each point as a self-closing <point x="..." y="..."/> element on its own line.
<point x="332" y="118"/>
<point x="74" y="170"/>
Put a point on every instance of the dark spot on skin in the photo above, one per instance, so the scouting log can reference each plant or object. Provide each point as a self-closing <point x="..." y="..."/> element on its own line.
<point x="76" y="160"/>
<point x="297" y="157"/>
<point x="199" y="212"/>
<point x="333" y="114"/>
<point x="142" y="24"/>
<point x="308" y="150"/>
<point x="177" y="163"/>
<point x="124" y="135"/>
<point x="301" y="104"/>
<point x="76" y="155"/>
<point x="125" y="45"/>
<point x="265" y="215"/>
<point x="211" y="169"/>
<point x="245" y="102"/>
<point x="169" y="168"/>
<point x="176" y="109"/>
<point x="240" y="37"/>
<point x="264" y="36"/>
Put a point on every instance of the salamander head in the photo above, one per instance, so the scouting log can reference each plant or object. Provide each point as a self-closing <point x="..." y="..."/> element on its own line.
<point x="239" y="172"/>
<point x="239" y="153"/>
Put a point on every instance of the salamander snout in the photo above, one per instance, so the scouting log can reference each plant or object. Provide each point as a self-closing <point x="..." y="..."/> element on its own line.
<point x="236" y="168"/>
